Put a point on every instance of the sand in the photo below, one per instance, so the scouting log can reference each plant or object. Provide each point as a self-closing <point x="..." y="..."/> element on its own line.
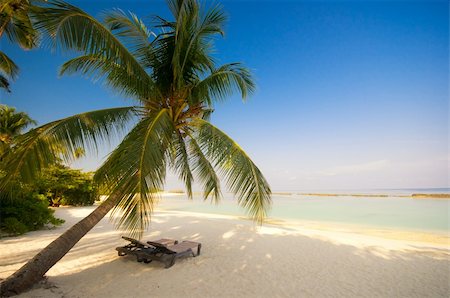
<point x="238" y="259"/>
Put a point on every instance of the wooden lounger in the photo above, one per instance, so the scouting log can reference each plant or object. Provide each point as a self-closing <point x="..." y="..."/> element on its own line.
<point x="136" y="247"/>
<point x="169" y="254"/>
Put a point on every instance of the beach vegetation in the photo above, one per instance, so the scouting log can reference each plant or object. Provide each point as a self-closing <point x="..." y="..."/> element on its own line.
<point x="170" y="72"/>
<point x="62" y="185"/>
<point x="28" y="211"/>
<point x="430" y="195"/>
<point x="12" y="123"/>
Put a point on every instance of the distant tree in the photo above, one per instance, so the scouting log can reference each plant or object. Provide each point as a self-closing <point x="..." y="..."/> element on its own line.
<point x="65" y="186"/>
<point x="12" y="124"/>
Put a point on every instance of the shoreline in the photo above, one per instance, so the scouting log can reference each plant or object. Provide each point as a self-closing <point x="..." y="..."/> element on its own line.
<point x="423" y="217"/>
<point x="437" y="238"/>
<point x="362" y="195"/>
<point x="339" y="231"/>
<point x="356" y="195"/>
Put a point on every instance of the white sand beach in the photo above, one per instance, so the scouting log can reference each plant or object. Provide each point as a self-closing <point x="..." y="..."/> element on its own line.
<point x="238" y="259"/>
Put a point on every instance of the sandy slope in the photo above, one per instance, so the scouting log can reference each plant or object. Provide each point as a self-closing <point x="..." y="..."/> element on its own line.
<point x="238" y="260"/>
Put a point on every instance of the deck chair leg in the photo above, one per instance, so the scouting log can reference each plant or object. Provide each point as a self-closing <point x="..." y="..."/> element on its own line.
<point x="169" y="263"/>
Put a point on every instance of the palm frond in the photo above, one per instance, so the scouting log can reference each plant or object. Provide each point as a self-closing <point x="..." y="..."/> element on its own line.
<point x="12" y="123"/>
<point x="186" y="20"/>
<point x="47" y="144"/>
<point x="243" y="177"/>
<point x="7" y="66"/>
<point x="175" y="6"/>
<point x="97" y="67"/>
<point x="185" y="47"/>
<point x="15" y="22"/>
<point x="204" y="171"/>
<point x="210" y="24"/>
<point x="180" y="162"/>
<point x="132" y="31"/>
<point x="74" y="29"/>
<point x="222" y="83"/>
<point x="136" y="169"/>
<point x="4" y="83"/>
<point x="8" y="70"/>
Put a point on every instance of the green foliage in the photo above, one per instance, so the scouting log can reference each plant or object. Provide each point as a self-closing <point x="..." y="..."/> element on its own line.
<point x="243" y="176"/>
<point x="13" y="226"/>
<point x="62" y="139"/>
<point x="12" y="123"/>
<point x="16" y="25"/>
<point x="28" y="212"/>
<point x="8" y="70"/>
<point x="64" y="186"/>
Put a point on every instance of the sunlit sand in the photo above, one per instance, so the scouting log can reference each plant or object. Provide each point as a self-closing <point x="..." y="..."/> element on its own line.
<point x="239" y="259"/>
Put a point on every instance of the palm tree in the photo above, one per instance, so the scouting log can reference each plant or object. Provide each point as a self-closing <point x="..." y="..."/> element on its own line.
<point x="174" y="79"/>
<point x="12" y="123"/>
<point x="16" y="24"/>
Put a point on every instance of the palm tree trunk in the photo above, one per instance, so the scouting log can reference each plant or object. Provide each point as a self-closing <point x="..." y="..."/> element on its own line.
<point x="34" y="270"/>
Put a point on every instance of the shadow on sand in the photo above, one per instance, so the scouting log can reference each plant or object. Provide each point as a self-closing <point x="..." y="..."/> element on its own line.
<point x="241" y="260"/>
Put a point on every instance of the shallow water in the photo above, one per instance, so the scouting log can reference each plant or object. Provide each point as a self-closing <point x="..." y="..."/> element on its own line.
<point x="387" y="212"/>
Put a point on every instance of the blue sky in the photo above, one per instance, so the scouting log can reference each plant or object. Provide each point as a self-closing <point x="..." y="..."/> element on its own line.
<point x="351" y="95"/>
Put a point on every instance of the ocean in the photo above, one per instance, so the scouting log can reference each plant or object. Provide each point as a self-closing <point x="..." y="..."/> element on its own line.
<point x="390" y="212"/>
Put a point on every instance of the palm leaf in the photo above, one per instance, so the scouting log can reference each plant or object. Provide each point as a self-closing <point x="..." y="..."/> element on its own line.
<point x="15" y="22"/>
<point x="243" y="177"/>
<point x="136" y="169"/>
<point x="97" y="67"/>
<point x="12" y="123"/>
<point x="205" y="172"/>
<point x="222" y="83"/>
<point x="212" y="23"/>
<point x="180" y="162"/>
<point x="186" y="21"/>
<point x="8" y="70"/>
<point x="73" y="29"/>
<point x="45" y="145"/>
<point x="7" y="66"/>
<point x="185" y="47"/>
<point x="4" y="83"/>
<point x="132" y="31"/>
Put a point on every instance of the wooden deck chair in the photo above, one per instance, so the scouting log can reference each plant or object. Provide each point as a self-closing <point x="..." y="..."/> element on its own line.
<point x="136" y="246"/>
<point x="169" y="254"/>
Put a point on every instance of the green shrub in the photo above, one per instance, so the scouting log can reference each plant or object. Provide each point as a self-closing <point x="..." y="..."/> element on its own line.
<point x="78" y="197"/>
<point x="13" y="226"/>
<point x="28" y="212"/>
<point x="62" y="185"/>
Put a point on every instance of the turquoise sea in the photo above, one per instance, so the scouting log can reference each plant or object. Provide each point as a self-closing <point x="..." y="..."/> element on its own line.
<point x="392" y="212"/>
